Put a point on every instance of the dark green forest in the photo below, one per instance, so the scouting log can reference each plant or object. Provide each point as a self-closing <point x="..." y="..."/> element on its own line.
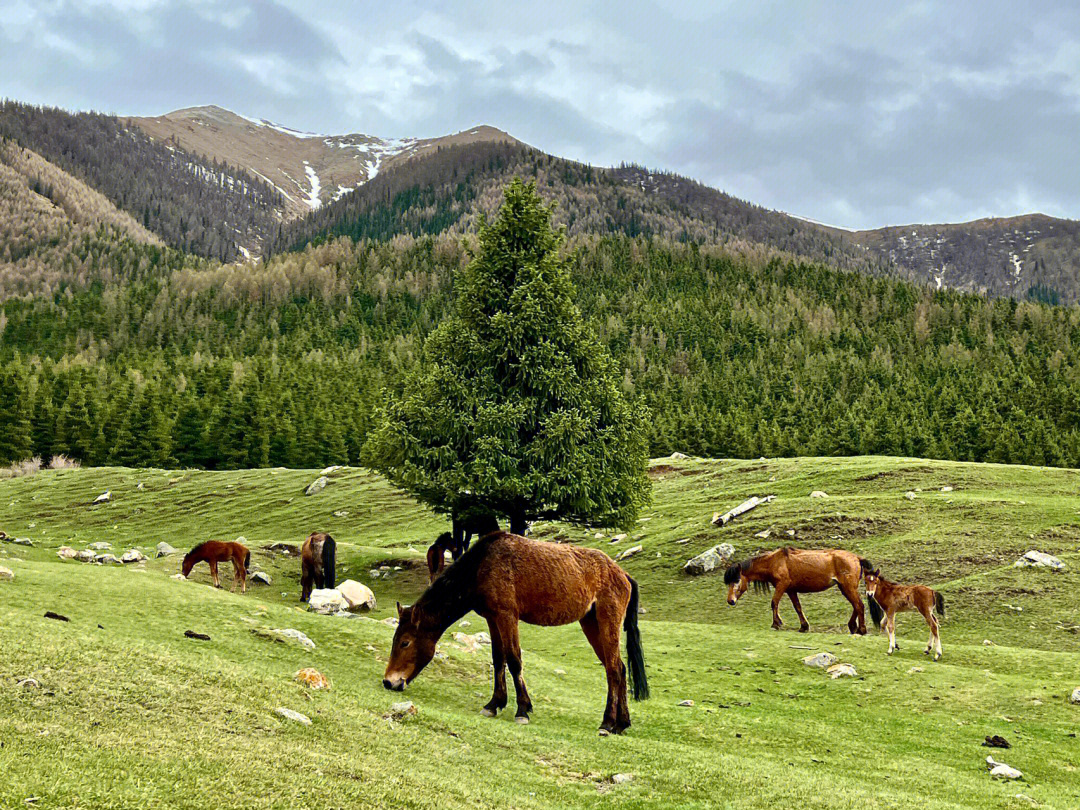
<point x="144" y="357"/>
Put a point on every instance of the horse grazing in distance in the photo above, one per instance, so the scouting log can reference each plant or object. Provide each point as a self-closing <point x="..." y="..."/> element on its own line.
<point x="794" y="571"/>
<point x="888" y="598"/>
<point x="318" y="556"/>
<point x="506" y="578"/>
<point x="215" y="551"/>
<point x="457" y="541"/>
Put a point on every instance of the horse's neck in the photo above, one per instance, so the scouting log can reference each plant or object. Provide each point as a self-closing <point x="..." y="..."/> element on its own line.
<point x="441" y="607"/>
<point x="760" y="570"/>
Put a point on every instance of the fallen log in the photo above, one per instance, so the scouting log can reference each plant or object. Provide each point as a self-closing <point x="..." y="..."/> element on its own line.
<point x="741" y="509"/>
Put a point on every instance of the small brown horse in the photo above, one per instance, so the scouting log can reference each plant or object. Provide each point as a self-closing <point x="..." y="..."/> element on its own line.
<point x="794" y="571"/>
<point x="457" y="541"/>
<point x="317" y="561"/>
<point x="215" y="551"/>
<point x="506" y="578"/>
<point x="888" y="598"/>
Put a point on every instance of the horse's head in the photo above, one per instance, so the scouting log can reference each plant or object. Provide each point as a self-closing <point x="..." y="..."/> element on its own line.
<point x="736" y="580"/>
<point x="189" y="563"/>
<point x="413" y="649"/>
<point x="872" y="580"/>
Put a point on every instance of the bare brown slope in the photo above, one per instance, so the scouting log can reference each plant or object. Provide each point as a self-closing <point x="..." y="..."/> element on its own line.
<point x="308" y="169"/>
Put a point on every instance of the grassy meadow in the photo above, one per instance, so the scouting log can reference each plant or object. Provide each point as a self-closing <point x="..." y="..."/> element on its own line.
<point x="129" y="713"/>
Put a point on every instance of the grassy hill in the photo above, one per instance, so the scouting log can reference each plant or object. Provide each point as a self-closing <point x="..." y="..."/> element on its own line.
<point x="130" y="713"/>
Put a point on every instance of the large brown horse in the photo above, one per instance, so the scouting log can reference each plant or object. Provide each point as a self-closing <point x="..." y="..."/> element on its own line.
<point x="794" y="571"/>
<point x="317" y="561"/>
<point x="215" y="551"/>
<point x="890" y="598"/>
<point x="506" y="578"/>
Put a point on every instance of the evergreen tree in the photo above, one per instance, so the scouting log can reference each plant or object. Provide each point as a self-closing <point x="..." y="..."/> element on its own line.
<point x="516" y="408"/>
<point x="16" y="441"/>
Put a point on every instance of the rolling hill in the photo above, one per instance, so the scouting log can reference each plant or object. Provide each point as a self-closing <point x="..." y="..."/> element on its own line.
<point x="127" y="711"/>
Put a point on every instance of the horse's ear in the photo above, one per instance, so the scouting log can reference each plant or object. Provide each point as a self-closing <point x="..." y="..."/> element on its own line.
<point x="399" y="609"/>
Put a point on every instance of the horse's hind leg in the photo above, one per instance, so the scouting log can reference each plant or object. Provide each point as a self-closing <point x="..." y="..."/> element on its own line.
<point x="804" y="625"/>
<point x="857" y="622"/>
<point x="498" y="661"/>
<point x="617" y="711"/>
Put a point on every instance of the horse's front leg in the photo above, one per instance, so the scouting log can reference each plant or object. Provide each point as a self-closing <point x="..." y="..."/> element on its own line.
<point x="508" y="630"/>
<point x="498" y="661"/>
<point x="781" y="588"/>
<point x="890" y="626"/>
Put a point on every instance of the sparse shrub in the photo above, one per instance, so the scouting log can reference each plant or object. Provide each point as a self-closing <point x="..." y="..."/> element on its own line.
<point x="28" y="466"/>
<point x="62" y="462"/>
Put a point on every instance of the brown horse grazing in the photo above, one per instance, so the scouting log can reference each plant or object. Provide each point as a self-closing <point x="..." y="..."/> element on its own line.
<point x="317" y="561"/>
<point x="506" y="578"/>
<point x="888" y="598"/>
<point x="794" y="571"/>
<point x="436" y="554"/>
<point x="457" y="542"/>
<point x="215" y="551"/>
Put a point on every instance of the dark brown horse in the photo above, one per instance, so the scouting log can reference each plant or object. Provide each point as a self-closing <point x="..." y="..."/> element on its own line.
<point x="888" y="598"/>
<point x="794" y="571"/>
<point x="317" y="561"/>
<point x="506" y="578"/>
<point x="457" y="541"/>
<point x="215" y="551"/>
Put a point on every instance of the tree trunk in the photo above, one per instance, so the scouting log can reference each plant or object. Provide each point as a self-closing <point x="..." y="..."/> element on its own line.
<point x="518" y="523"/>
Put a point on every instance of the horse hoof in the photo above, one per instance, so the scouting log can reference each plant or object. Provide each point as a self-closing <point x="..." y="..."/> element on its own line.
<point x="486" y="712"/>
<point x="522" y="720"/>
<point x="937" y="657"/>
<point x="804" y="629"/>
<point x="605" y="732"/>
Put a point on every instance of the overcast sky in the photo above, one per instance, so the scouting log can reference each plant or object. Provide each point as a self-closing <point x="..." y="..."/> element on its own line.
<point x="857" y="114"/>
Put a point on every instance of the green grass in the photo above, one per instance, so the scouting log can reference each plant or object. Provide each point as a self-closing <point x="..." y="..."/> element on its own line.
<point x="131" y="713"/>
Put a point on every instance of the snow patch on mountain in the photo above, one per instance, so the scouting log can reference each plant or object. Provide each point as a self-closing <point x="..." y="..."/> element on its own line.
<point x="316" y="186"/>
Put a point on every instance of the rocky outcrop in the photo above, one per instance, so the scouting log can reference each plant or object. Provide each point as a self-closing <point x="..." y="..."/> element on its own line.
<point x="716" y="558"/>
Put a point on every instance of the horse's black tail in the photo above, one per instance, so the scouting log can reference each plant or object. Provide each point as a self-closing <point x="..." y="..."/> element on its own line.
<point x="247" y="559"/>
<point x="638" y="680"/>
<point x="329" y="558"/>
<point x="876" y="613"/>
<point x="939" y="604"/>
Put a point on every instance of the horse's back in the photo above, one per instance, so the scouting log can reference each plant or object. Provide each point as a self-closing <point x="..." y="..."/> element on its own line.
<point x="548" y="583"/>
<point x="818" y="569"/>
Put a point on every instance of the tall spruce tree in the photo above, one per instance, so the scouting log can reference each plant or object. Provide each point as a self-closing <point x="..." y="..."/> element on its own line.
<point x="516" y="407"/>
<point x="16" y="441"/>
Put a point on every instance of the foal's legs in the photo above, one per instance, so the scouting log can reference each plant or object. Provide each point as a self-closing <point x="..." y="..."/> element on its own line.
<point x="239" y="573"/>
<point x="214" y="574"/>
<point x="498" y="661"/>
<point x="602" y="631"/>
<point x="890" y="628"/>
<point x="934" y="645"/>
<point x="804" y="625"/>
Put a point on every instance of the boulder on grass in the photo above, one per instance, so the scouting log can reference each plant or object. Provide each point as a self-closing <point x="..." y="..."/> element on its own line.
<point x="630" y="552"/>
<point x="1075" y="697"/>
<point x="318" y="485"/>
<point x="821" y="660"/>
<point x="327" y="601"/>
<point x="817" y="493"/>
<point x="714" y="559"/>
<point x="86" y="555"/>
<point x="358" y="595"/>
<point x="6" y="574"/>
<point x="66" y="553"/>
<point x="107" y="559"/>
<point x="841" y="671"/>
<point x="164" y="550"/>
<point x="1038" y="559"/>
<point x="309" y="676"/>
<point x="261" y="577"/>
<point x="132" y="555"/>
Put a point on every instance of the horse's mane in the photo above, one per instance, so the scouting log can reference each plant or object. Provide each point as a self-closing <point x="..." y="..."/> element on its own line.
<point x="449" y="597"/>
<point x="198" y="547"/>
<point x="735" y="572"/>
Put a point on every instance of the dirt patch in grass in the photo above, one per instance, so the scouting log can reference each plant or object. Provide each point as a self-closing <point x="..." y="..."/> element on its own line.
<point x="841" y="530"/>
<point x="886" y="475"/>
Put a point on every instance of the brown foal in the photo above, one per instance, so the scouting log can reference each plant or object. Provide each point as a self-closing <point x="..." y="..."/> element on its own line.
<point x="215" y="551"/>
<point x="888" y="598"/>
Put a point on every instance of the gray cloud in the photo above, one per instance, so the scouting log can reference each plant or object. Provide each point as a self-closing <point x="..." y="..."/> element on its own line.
<point x="846" y="113"/>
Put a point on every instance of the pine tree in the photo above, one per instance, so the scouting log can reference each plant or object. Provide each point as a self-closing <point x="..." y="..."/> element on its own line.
<point x="16" y="442"/>
<point x="516" y="408"/>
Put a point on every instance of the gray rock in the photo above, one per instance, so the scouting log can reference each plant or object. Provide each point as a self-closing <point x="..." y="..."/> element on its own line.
<point x="6" y="574"/>
<point x="341" y="513"/>
<point x="402" y="709"/>
<point x="821" y="660"/>
<point x="107" y="559"/>
<point x="327" y="601"/>
<point x="817" y="493"/>
<point x="1038" y="559"/>
<point x="999" y="770"/>
<point x="289" y="714"/>
<point x="715" y="558"/>
<point x="132" y="555"/>
<point x="297" y="636"/>
<point x="482" y="638"/>
<point x="318" y="485"/>
<point x="261" y="577"/>
<point x="22" y="541"/>
<point x="357" y="595"/>
<point x="1075" y="697"/>
<point x="101" y="545"/>
<point x="679" y="456"/>
<point x="685" y="703"/>
<point x="841" y="671"/>
<point x="29" y="683"/>
<point x="86" y="555"/>
<point x="66" y="553"/>
<point x="104" y="497"/>
<point x="909" y="495"/>
<point x="621" y="778"/>
<point x="630" y="552"/>
<point x="164" y="550"/>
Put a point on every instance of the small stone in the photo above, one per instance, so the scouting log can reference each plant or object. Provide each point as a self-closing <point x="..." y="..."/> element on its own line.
<point x="331" y="469"/>
<point x="318" y="485"/>
<point x="104" y="497"/>
<point x="107" y="559"/>
<point x="295" y="635"/>
<point x="311" y="677"/>
<point x="482" y="638"/>
<point x="132" y="555"/>
<point x="821" y="660"/>
<point x="817" y="493"/>
<point x="560" y="672"/>
<point x="23" y="541"/>
<point x="327" y="601"/>
<point x="101" y="545"/>
<point x="6" y="574"/>
<point x="28" y="683"/>
<point x="946" y="489"/>
<point x="465" y="640"/>
<point x="261" y="577"/>
<point x="999" y="770"/>
<point x="685" y="703"/>
<point x="630" y="552"/>
<point x="621" y="778"/>
<point x="679" y="456"/>
<point x="763" y="535"/>
<point x="790" y="532"/>
<point x="618" y="538"/>
<point x="909" y="495"/>
<point x="390" y="622"/>
<point x="289" y="714"/>
<point x="341" y="513"/>
<point x="402" y="709"/>
<point x="178" y="576"/>
<point x="841" y="671"/>
<point x="598" y="536"/>
<point x="913" y="670"/>
<point x="464" y="623"/>
<point x="1075" y="696"/>
<point x="988" y="643"/>
<point x="66" y="553"/>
